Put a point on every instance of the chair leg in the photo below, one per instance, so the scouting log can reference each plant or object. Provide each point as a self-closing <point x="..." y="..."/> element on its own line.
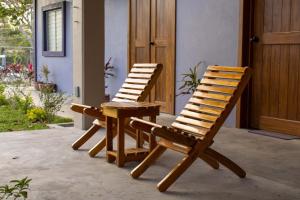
<point x="85" y="137"/>
<point x="210" y="161"/>
<point x="145" y="164"/>
<point x="99" y="146"/>
<point x="179" y="169"/>
<point x="226" y="162"/>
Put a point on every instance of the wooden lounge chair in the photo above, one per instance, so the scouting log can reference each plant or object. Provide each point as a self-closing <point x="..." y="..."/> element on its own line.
<point x="194" y="129"/>
<point x="137" y="87"/>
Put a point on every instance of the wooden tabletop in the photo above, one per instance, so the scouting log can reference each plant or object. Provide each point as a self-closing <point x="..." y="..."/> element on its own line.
<point x="128" y="105"/>
<point x="129" y="109"/>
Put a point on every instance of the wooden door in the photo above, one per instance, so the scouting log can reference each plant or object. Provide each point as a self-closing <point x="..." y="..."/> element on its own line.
<point x="152" y="39"/>
<point x="275" y="104"/>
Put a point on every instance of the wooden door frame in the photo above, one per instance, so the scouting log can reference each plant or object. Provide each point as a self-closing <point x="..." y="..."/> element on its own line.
<point x="174" y="52"/>
<point x="243" y="111"/>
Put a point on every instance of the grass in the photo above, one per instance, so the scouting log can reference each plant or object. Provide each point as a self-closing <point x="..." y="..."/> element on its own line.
<point x="15" y="120"/>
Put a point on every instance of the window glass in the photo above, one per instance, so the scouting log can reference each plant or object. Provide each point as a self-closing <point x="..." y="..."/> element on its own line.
<point x="54" y="25"/>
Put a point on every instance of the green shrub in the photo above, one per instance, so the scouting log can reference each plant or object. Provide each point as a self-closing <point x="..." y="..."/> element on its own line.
<point x="36" y="115"/>
<point x="51" y="102"/>
<point x="23" y="104"/>
<point x="3" y="100"/>
<point x="2" y="88"/>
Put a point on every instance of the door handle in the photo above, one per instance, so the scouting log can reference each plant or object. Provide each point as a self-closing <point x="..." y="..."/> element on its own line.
<point x="152" y="43"/>
<point x="254" y="39"/>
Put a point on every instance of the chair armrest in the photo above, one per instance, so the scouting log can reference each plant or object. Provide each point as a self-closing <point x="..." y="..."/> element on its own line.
<point x="94" y="112"/>
<point x="173" y="135"/>
<point x="79" y="107"/>
<point x="143" y="124"/>
<point x="162" y="131"/>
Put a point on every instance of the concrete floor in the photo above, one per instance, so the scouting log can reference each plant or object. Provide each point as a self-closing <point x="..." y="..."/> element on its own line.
<point x="58" y="172"/>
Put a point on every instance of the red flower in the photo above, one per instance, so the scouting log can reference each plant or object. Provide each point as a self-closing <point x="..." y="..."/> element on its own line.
<point x="30" y="67"/>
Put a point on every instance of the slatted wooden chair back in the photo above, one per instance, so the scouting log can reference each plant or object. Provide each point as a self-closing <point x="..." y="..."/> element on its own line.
<point x="212" y="102"/>
<point x="139" y="83"/>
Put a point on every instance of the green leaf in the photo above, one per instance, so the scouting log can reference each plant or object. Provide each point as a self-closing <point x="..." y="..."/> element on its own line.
<point x="24" y="194"/>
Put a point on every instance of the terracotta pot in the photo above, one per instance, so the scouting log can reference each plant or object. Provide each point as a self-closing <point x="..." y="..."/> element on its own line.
<point x="36" y="85"/>
<point x="49" y="86"/>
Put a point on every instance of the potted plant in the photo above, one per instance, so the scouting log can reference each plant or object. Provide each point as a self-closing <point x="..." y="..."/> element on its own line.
<point x="46" y="84"/>
<point x="107" y="74"/>
<point x="190" y="80"/>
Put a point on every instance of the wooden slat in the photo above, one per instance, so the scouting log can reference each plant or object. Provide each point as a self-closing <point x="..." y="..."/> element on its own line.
<point x="133" y="86"/>
<point x="204" y="109"/>
<point x="226" y="69"/>
<point x="281" y="38"/>
<point x="199" y="115"/>
<point x="280" y="125"/>
<point x="223" y="75"/>
<point x="226" y="90"/>
<point x="212" y="103"/>
<point x="274" y="89"/>
<point x="265" y="80"/>
<point x="127" y="96"/>
<point x="211" y="96"/>
<point x="294" y="81"/>
<point x="130" y="91"/>
<point x="139" y="75"/>
<point x="121" y="100"/>
<point x="139" y="81"/>
<point x="197" y="131"/>
<point x="194" y="122"/>
<point x="219" y="82"/>
<point x="142" y="70"/>
<point x="145" y="65"/>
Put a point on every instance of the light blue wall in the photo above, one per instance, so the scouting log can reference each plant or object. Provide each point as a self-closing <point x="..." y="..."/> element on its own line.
<point x="116" y="34"/>
<point x="207" y="30"/>
<point x="61" y="67"/>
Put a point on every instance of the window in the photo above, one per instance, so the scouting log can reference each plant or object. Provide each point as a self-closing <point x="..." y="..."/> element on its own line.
<point x="54" y="18"/>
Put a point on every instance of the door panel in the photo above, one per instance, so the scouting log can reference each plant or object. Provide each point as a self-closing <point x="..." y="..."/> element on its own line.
<point x="163" y="51"/>
<point x="276" y="63"/>
<point x="161" y="44"/>
<point x="139" y="31"/>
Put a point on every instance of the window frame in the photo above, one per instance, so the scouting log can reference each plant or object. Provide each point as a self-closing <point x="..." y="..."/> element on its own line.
<point x="45" y="9"/>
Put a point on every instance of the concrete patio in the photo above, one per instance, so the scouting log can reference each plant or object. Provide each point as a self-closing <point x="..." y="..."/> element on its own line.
<point x="58" y="172"/>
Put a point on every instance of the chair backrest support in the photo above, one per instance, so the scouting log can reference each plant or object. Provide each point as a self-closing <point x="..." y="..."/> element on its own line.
<point x="212" y="102"/>
<point x="138" y="84"/>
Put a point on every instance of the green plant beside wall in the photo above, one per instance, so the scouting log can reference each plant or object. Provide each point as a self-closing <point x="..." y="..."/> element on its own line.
<point x="45" y="71"/>
<point x="190" y="80"/>
<point x="17" y="189"/>
<point x="108" y="72"/>
<point x="44" y="80"/>
<point x="51" y="102"/>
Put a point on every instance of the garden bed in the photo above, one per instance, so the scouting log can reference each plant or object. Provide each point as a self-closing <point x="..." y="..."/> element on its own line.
<point x="15" y="120"/>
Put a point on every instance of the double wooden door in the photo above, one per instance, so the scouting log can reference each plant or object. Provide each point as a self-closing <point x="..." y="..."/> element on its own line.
<point x="152" y="39"/>
<point x="275" y="103"/>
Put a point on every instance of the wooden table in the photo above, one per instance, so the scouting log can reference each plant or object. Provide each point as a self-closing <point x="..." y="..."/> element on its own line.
<point x="120" y="111"/>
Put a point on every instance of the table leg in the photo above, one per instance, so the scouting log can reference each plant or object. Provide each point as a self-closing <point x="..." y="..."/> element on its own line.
<point x="109" y="138"/>
<point x="139" y="137"/>
<point x="121" y="142"/>
<point x="152" y="139"/>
